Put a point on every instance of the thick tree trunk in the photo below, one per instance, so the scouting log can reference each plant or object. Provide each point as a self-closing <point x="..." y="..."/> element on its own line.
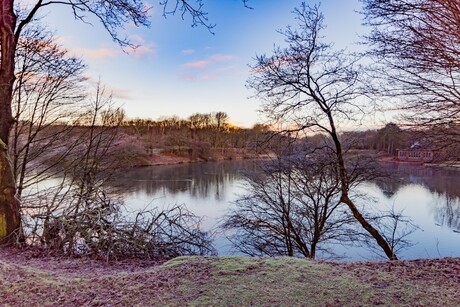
<point x="10" y="222"/>
<point x="346" y="199"/>
<point x="10" y="219"/>
<point x="368" y="227"/>
<point x="8" y="46"/>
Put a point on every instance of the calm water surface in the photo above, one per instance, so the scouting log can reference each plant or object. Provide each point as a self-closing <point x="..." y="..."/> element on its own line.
<point x="429" y="196"/>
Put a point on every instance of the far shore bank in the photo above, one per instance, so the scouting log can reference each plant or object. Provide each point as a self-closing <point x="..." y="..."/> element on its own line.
<point x="167" y="158"/>
<point x="444" y="164"/>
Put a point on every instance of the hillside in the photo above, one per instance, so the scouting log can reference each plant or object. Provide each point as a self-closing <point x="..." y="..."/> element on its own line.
<point x="230" y="281"/>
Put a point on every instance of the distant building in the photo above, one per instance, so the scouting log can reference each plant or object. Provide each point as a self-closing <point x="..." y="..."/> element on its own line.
<point x="415" y="155"/>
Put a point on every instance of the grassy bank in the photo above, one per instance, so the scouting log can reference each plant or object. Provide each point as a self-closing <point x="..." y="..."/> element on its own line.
<point x="229" y="281"/>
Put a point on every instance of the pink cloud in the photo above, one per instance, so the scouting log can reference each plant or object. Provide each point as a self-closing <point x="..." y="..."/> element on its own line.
<point x="208" y="75"/>
<point x="201" y="64"/>
<point x="98" y="53"/>
<point x="211" y="76"/>
<point x="115" y="92"/>
<point x="142" y="51"/>
<point x="214" y="59"/>
<point x="189" y="77"/>
<point x="214" y="67"/>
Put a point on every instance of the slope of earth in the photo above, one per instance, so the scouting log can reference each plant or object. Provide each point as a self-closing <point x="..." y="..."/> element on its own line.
<point x="226" y="281"/>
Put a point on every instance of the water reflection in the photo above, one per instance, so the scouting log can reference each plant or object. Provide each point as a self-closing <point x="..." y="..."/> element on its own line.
<point x="447" y="212"/>
<point x="444" y="185"/>
<point x="430" y="196"/>
<point x="200" y="180"/>
<point x="437" y="180"/>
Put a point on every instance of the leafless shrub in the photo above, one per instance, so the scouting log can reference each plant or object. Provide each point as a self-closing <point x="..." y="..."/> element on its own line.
<point x="108" y="230"/>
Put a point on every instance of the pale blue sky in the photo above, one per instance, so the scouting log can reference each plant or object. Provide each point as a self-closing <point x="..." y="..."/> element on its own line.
<point x="179" y="70"/>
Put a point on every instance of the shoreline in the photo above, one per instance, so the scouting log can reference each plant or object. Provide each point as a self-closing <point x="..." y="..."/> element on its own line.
<point x="455" y="165"/>
<point x="170" y="159"/>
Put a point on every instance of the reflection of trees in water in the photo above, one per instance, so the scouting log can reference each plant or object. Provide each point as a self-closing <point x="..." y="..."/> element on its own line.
<point x="444" y="184"/>
<point x="200" y="179"/>
<point x="389" y="186"/>
<point x="447" y="211"/>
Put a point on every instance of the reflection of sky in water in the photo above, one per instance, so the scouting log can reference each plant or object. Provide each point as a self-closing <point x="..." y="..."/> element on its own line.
<point x="207" y="189"/>
<point x="429" y="196"/>
<point x="433" y="239"/>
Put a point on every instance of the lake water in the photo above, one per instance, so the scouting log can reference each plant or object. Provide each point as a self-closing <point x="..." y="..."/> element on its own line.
<point x="429" y="196"/>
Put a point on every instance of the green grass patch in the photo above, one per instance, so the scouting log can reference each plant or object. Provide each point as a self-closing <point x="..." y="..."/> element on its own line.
<point x="240" y="281"/>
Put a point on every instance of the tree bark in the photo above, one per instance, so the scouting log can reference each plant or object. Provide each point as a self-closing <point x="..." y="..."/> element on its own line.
<point x="10" y="221"/>
<point x="8" y="46"/>
<point x="346" y="199"/>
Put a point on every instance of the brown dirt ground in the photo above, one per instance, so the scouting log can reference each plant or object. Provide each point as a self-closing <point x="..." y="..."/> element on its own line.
<point x="32" y="278"/>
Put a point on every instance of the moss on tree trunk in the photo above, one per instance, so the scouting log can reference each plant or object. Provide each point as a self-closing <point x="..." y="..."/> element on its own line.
<point x="10" y="221"/>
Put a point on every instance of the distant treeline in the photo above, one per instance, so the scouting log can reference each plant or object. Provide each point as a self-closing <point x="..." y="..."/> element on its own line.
<point x="197" y="135"/>
<point x="209" y="136"/>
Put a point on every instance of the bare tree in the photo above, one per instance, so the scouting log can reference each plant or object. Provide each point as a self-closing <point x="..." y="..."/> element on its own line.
<point x="292" y="208"/>
<point x="220" y="120"/>
<point x="308" y="85"/>
<point x="416" y="48"/>
<point x="81" y="212"/>
<point x="112" y="14"/>
<point x="72" y="167"/>
<point x="47" y="97"/>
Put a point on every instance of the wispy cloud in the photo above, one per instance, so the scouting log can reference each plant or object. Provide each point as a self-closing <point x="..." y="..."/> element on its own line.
<point x="200" y="64"/>
<point x="214" y="67"/>
<point x="142" y="49"/>
<point x="209" y="61"/>
<point x="217" y="73"/>
<point x="99" y="53"/>
<point x="188" y="51"/>
<point x="189" y="77"/>
<point x="120" y="93"/>
<point x="222" y="58"/>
